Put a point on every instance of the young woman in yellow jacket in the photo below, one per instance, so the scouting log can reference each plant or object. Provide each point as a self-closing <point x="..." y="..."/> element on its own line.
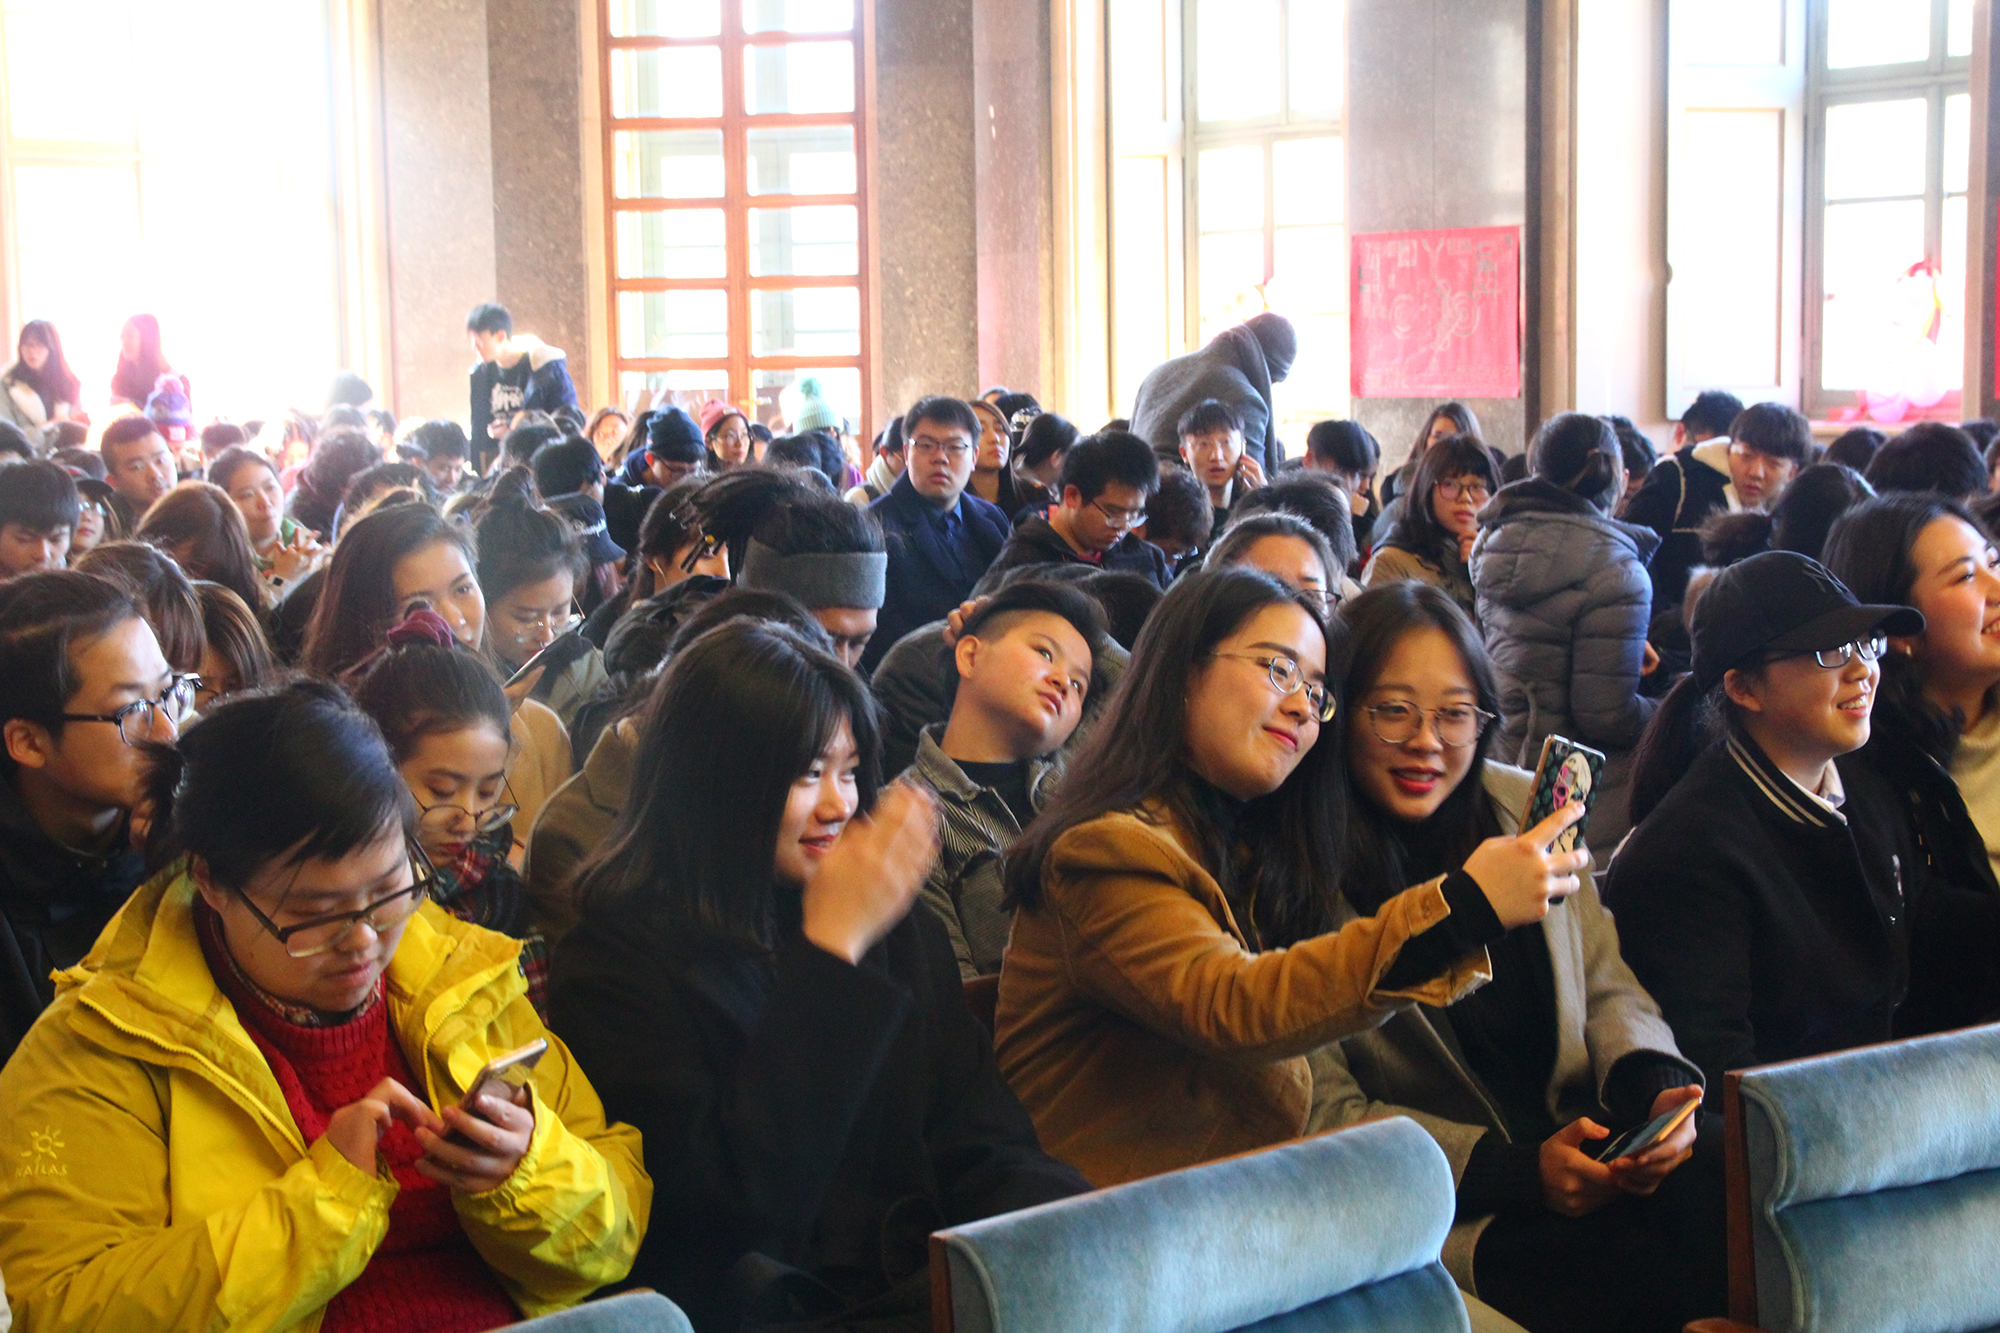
<point x="242" y="1109"/>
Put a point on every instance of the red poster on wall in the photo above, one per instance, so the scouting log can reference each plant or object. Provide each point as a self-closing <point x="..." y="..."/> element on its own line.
<point x="1437" y="314"/>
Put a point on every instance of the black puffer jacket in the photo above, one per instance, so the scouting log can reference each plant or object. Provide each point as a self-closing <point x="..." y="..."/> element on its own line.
<point x="1564" y="600"/>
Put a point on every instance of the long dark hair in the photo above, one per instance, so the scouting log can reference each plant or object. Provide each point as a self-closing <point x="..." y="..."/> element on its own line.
<point x="1463" y="422"/>
<point x="734" y="720"/>
<point x="1136" y="753"/>
<point x="55" y="382"/>
<point x="1376" y="863"/>
<point x="358" y="604"/>
<point x="164" y="593"/>
<point x="201" y="527"/>
<point x="1688" y="722"/>
<point x="135" y="376"/>
<point x="285" y="775"/>
<point x="1418" y="530"/>
<point x="1869" y="549"/>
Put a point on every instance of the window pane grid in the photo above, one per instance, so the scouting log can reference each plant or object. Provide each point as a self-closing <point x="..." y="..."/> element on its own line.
<point x="744" y="110"/>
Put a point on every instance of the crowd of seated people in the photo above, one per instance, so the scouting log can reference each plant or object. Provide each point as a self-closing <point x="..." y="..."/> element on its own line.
<point x="885" y="834"/>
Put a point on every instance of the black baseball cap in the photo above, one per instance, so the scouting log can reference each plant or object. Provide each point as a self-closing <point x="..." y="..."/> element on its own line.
<point x="586" y="516"/>
<point x="1782" y="602"/>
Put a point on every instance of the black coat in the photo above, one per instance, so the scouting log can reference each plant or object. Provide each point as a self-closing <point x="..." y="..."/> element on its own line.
<point x="930" y="572"/>
<point x="1766" y="928"/>
<point x="1676" y="498"/>
<point x="1036" y="542"/>
<point x="801" y="1116"/>
<point x="1954" y="898"/>
<point x="54" y="901"/>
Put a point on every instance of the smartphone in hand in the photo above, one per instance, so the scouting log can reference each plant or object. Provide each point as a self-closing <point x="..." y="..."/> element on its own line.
<point x="503" y="1073"/>
<point x="1649" y="1135"/>
<point x="1568" y="772"/>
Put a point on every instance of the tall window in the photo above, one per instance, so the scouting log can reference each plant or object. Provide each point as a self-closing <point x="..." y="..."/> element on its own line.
<point x="735" y="220"/>
<point x="177" y="160"/>
<point x="1227" y="185"/>
<point x="1266" y="213"/>
<point x="1886" y="180"/>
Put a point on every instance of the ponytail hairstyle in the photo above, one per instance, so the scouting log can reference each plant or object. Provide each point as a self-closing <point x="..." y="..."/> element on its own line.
<point x="202" y="529"/>
<point x="424" y="684"/>
<point x="165" y="596"/>
<point x="358" y="603"/>
<point x="1580" y="453"/>
<point x="1687" y="723"/>
<point x="1869" y="551"/>
<point x="735" y="719"/>
<point x="275" y="777"/>
<point x="1136" y="754"/>
<point x="519" y="542"/>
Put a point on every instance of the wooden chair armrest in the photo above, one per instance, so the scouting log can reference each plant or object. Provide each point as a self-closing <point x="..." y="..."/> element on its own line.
<point x="1720" y="1326"/>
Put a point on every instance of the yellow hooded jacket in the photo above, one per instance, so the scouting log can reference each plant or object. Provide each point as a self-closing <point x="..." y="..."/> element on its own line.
<point x="152" y="1177"/>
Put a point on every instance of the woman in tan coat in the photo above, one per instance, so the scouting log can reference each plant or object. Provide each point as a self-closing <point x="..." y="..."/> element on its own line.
<point x="1175" y="956"/>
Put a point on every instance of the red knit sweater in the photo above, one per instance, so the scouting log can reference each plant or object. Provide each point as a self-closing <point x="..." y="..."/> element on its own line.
<point x="425" y="1277"/>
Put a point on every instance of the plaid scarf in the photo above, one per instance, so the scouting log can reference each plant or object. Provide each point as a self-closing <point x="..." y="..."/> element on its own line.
<point x="477" y="883"/>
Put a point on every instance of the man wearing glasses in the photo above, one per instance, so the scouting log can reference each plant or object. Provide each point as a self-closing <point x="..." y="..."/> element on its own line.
<point x="83" y="686"/>
<point x="1107" y="481"/>
<point x="940" y="539"/>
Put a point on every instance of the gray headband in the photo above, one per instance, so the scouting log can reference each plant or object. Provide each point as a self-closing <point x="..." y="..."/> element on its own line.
<point x="858" y="578"/>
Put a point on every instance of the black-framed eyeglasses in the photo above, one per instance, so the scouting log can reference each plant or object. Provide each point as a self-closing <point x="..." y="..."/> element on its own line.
<point x="1399" y="723"/>
<point x="1457" y="488"/>
<point x="1287" y="680"/>
<point x="438" y="824"/>
<point x="308" y="939"/>
<point x="954" y="449"/>
<point x="1119" y="517"/>
<point x="1870" y="650"/>
<point x="135" y="720"/>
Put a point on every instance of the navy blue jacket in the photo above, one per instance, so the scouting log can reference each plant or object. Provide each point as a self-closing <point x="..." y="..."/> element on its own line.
<point x="934" y="559"/>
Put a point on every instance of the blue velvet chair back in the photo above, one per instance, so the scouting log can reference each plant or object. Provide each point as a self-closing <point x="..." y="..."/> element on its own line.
<point x="633" y="1312"/>
<point x="1339" y="1232"/>
<point x="1873" y="1183"/>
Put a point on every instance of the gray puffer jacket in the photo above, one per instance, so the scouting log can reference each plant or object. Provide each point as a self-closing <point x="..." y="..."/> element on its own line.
<point x="1564" y="600"/>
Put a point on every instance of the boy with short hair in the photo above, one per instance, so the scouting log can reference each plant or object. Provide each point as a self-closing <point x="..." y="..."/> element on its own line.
<point x="138" y="464"/>
<point x="1025" y="661"/>
<point x="1211" y="437"/>
<point x="1108" y="480"/>
<point x="514" y="373"/>
<point x="74" y="655"/>
<point x="38" y="512"/>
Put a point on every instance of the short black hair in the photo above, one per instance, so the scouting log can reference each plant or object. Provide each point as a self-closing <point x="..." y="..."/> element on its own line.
<point x="1775" y="430"/>
<point x="1210" y="414"/>
<point x="521" y="444"/>
<point x="125" y="430"/>
<point x="38" y="495"/>
<point x="1180" y="511"/>
<point x="1712" y="412"/>
<point x="1856" y="447"/>
<point x="343" y="414"/>
<point x="86" y="461"/>
<point x="42" y="617"/>
<point x="440" y="438"/>
<point x="1047" y="435"/>
<point x="945" y="411"/>
<point x="1031" y="596"/>
<point x="567" y="466"/>
<point x="349" y="388"/>
<point x="489" y="317"/>
<point x="220" y="435"/>
<point x="1097" y="461"/>
<point x="1128" y="600"/>
<point x="1314" y="497"/>
<point x="1929" y="456"/>
<point x="1346" y="445"/>
<point x="14" y="440"/>
<point x="818" y="524"/>
<point x="1640" y="456"/>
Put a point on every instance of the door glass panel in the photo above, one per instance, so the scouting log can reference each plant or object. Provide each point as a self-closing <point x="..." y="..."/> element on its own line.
<point x="803" y="159"/>
<point x="666" y="18"/>
<point x="673" y="243"/>
<point x="1868" y="249"/>
<point x="680" y="323"/>
<point x="778" y="399"/>
<point x="1232" y="269"/>
<point x="1310" y="269"/>
<point x="815" y="240"/>
<point x="1957" y="141"/>
<point x="1958" y="29"/>
<point x="1316" y="48"/>
<point x="798" y="15"/>
<point x="1877" y="32"/>
<point x="680" y="388"/>
<point x="1305" y="181"/>
<point x="1231" y="186"/>
<point x="1236" y="59"/>
<point x="66" y="98"/>
<point x="799" y="78"/>
<point x="667" y="164"/>
<point x="1875" y="149"/>
<point x="672" y="82"/>
<point x="810" y="321"/>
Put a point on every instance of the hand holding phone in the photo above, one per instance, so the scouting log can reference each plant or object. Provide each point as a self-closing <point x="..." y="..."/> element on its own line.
<point x="1568" y="773"/>
<point x="488" y="1131"/>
